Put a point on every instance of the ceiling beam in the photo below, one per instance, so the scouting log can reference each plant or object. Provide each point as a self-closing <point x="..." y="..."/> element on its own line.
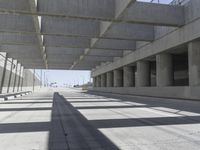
<point x="120" y="7"/>
<point x="155" y="14"/>
<point x="149" y="13"/>
<point x="33" y="8"/>
<point x="80" y="8"/>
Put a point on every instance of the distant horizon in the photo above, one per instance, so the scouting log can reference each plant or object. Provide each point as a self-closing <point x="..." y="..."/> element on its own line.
<point x="65" y="77"/>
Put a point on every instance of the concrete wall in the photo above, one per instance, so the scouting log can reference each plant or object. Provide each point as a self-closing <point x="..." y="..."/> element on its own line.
<point x="168" y="76"/>
<point x="27" y="80"/>
<point x="184" y="92"/>
<point x="166" y="38"/>
<point x="6" y="80"/>
<point x="191" y="11"/>
<point x="1" y="72"/>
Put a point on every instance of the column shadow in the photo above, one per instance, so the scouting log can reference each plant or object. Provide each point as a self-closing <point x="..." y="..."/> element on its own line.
<point x="178" y="105"/>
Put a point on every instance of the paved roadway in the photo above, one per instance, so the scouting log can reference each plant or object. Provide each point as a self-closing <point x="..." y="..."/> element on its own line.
<point x="74" y="120"/>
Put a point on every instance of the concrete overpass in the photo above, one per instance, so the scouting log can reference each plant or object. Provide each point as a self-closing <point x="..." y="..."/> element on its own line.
<point x="144" y="58"/>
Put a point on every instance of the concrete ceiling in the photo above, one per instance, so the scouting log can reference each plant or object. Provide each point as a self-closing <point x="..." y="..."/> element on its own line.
<point x="78" y="34"/>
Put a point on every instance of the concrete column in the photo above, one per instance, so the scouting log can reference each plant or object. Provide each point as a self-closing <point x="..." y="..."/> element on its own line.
<point x="118" y="78"/>
<point x="143" y="74"/>
<point x="3" y="74"/>
<point x="94" y="82"/>
<point x="98" y="81"/>
<point x="164" y="70"/>
<point x="103" y="80"/>
<point x="129" y="76"/>
<point x="15" y="77"/>
<point x="22" y="80"/>
<point x="194" y="63"/>
<point x="109" y="79"/>
<point x="20" y="77"/>
<point x="10" y="76"/>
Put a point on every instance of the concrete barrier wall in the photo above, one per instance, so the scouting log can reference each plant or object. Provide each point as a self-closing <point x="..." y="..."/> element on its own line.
<point x="183" y="92"/>
<point x="191" y="9"/>
<point x="1" y="72"/>
<point x="27" y="81"/>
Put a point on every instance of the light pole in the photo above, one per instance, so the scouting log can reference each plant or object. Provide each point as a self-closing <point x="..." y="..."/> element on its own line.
<point x="41" y="78"/>
<point x="44" y="80"/>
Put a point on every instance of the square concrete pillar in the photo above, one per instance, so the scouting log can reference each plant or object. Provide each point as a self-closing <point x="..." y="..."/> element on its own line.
<point x="143" y="74"/>
<point x="109" y="79"/>
<point x="103" y="80"/>
<point x="2" y="76"/>
<point x="99" y="81"/>
<point x="194" y="63"/>
<point x="94" y="81"/>
<point x="118" y="78"/>
<point x="129" y="76"/>
<point x="164" y="70"/>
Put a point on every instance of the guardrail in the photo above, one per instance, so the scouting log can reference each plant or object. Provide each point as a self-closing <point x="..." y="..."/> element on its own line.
<point x="179" y="2"/>
<point x="7" y="95"/>
<point x="174" y="2"/>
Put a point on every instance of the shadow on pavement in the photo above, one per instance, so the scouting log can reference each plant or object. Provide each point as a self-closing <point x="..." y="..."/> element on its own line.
<point x="70" y="129"/>
<point x="154" y="102"/>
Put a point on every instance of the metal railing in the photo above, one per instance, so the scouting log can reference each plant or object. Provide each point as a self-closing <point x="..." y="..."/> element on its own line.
<point x="174" y="2"/>
<point x="178" y="2"/>
<point x="158" y="1"/>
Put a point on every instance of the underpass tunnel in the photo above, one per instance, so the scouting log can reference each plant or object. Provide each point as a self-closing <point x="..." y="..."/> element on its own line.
<point x="99" y="74"/>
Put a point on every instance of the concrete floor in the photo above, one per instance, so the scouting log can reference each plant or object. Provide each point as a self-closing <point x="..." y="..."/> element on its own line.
<point x="82" y="121"/>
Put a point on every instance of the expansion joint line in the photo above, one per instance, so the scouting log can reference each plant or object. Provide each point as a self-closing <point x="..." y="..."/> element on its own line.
<point x="60" y="118"/>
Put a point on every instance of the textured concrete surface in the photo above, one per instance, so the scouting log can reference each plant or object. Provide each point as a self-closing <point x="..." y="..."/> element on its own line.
<point x="83" y="121"/>
<point x="183" y="92"/>
<point x="164" y="66"/>
<point x="92" y="25"/>
<point x="165" y="38"/>
<point x="25" y="122"/>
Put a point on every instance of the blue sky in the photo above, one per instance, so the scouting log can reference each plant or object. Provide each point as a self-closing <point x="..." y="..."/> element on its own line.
<point x="75" y="77"/>
<point x="68" y="77"/>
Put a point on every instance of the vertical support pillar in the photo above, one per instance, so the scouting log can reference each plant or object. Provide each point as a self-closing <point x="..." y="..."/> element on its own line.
<point x="164" y="68"/>
<point x="143" y="74"/>
<point x="94" y="81"/>
<point x="109" y="79"/>
<point x="20" y="78"/>
<point x="3" y="74"/>
<point x="118" y="78"/>
<point x="10" y="76"/>
<point x="103" y="80"/>
<point x="194" y="63"/>
<point x="99" y="81"/>
<point x="129" y="76"/>
<point x="15" y="77"/>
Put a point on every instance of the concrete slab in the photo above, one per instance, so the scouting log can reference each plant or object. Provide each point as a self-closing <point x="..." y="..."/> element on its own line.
<point x="80" y="121"/>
